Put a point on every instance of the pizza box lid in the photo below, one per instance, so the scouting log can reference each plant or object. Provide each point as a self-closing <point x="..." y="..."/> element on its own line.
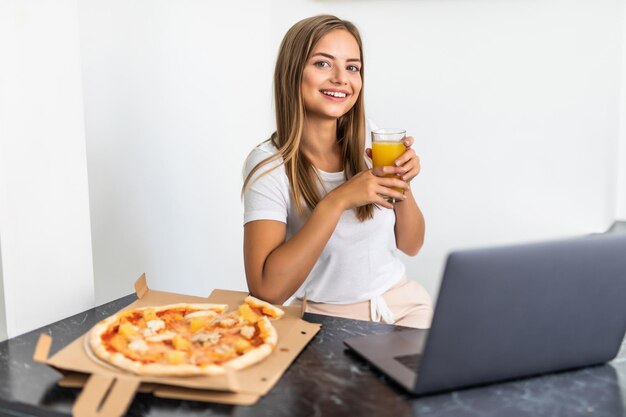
<point x="112" y="390"/>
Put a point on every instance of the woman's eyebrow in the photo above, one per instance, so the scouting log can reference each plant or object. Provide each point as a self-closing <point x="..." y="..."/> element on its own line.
<point x="329" y="56"/>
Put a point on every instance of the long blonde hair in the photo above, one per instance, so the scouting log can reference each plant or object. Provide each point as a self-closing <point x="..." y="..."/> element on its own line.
<point x="295" y="50"/>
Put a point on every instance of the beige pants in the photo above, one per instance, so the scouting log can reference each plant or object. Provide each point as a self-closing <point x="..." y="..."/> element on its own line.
<point x="408" y="301"/>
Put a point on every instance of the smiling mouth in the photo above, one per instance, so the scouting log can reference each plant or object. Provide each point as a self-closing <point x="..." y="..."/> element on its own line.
<point x="335" y="94"/>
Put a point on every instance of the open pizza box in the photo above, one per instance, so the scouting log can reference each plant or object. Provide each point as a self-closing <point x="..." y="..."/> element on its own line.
<point x="108" y="391"/>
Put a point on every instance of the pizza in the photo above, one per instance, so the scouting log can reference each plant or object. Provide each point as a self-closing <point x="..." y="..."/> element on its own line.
<point x="186" y="339"/>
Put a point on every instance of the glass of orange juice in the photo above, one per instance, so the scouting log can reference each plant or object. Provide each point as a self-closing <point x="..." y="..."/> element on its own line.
<point x="387" y="146"/>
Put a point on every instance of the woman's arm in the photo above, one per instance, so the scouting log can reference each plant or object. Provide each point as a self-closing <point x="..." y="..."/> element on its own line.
<point x="409" y="227"/>
<point x="276" y="268"/>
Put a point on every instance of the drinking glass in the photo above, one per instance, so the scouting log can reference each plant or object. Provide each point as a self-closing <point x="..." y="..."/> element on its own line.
<point x="387" y="146"/>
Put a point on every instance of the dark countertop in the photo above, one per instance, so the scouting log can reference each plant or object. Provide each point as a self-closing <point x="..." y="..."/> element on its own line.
<point x="324" y="380"/>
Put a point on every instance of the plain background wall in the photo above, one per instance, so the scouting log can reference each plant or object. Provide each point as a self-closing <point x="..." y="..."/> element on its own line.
<point x="45" y="234"/>
<point x="514" y="106"/>
<point x="621" y="186"/>
<point x="176" y="94"/>
<point x="3" y="321"/>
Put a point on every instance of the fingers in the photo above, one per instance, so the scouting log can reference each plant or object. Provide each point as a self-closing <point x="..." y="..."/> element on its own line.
<point x="385" y="194"/>
<point x="408" y="141"/>
<point x="387" y="182"/>
<point x="406" y="172"/>
<point x="368" y="152"/>
<point x="382" y="188"/>
<point x="393" y="183"/>
<point x="410" y="161"/>
<point x="367" y="187"/>
<point x="389" y="170"/>
<point x="412" y="172"/>
<point x="382" y="202"/>
<point x="405" y="157"/>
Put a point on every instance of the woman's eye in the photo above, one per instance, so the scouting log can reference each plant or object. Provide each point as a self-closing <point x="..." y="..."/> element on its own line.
<point x="322" y="64"/>
<point x="353" y="68"/>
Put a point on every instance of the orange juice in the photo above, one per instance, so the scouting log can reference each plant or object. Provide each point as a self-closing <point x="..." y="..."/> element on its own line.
<point x="384" y="154"/>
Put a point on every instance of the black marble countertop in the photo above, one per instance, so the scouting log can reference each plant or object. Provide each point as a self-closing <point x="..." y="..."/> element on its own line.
<point x="325" y="380"/>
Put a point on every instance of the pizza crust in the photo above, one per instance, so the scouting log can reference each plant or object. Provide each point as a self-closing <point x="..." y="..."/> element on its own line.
<point x="157" y="369"/>
<point x="94" y="338"/>
<point x="268" y="309"/>
<point x="250" y="357"/>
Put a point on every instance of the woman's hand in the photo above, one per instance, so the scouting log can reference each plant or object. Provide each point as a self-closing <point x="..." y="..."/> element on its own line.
<point x="409" y="227"/>
<point x="367" y="187"/>
<point x="407" y="165"/>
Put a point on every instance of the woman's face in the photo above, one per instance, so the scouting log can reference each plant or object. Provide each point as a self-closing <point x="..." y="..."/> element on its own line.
<point x="331" y="81"/>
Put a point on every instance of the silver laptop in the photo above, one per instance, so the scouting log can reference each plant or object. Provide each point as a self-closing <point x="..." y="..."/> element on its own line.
<point x="512" y="312"/>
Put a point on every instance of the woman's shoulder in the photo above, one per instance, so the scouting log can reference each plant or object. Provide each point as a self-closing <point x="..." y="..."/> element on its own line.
<point x="264" y="149"/>
<point x="259" y="154"/>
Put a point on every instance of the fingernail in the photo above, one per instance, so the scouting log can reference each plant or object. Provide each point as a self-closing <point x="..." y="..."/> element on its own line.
<point x="397" y="163"/>
<point x="406" y="143"/>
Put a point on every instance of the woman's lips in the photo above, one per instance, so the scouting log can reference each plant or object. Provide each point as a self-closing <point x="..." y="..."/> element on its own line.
<point x="334" y="95"/>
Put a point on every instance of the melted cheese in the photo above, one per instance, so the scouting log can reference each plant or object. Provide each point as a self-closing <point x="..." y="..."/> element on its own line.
<point x="247" y="332"/>
<point x="161" y="337"/>
<point x="155" y="325"/>
<point x="210" y="338"/>
<point x="138" y="345"/>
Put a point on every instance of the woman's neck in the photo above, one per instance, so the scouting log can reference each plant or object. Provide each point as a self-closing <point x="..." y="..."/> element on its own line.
<point x="319" y="144"/>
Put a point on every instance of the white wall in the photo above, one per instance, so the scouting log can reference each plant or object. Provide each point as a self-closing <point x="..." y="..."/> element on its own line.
<point x="3" y="315"/>
<point x="621" y="176"/>
<point x="176" y="94"/>
<point x="513" y="104"/>
<point x="44" y="214"/>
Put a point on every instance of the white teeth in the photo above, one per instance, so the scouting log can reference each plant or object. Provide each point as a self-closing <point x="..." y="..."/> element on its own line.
<point x="334" y="94"/>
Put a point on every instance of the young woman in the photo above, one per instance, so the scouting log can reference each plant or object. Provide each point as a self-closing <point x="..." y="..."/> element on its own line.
<point x="317" y="222"/>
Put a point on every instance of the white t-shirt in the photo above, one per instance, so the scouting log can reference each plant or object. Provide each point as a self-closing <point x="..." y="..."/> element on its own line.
<point x="360" y="260"/>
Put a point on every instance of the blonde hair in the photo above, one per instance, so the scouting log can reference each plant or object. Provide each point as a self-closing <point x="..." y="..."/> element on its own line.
<point x="294" y="52"/>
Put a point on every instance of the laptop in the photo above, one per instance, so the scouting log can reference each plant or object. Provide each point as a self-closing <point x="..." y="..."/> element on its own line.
<point x="512" y="312"/>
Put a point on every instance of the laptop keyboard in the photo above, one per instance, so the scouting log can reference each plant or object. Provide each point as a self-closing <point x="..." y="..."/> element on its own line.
<point x="410" y="361"/>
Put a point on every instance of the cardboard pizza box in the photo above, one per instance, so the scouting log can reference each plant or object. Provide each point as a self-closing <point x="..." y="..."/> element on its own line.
<point x="108" y="391"/>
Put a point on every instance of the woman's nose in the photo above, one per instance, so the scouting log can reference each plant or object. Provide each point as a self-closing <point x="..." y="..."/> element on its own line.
<point x="339" y="76"/>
